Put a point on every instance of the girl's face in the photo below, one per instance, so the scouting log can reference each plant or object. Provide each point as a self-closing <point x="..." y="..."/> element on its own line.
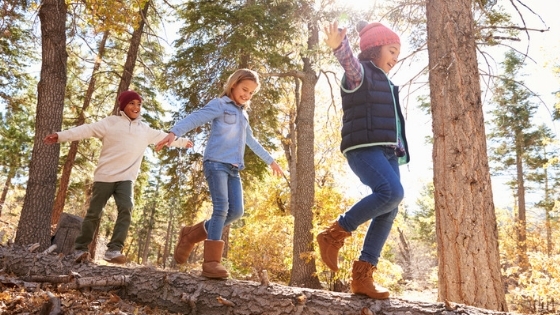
<point x="132" y="109"/>
<point x="388" y="57"/>
<point x="242" y="92"/>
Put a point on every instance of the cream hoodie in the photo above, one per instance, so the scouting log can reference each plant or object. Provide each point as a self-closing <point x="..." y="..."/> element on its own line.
<point x="124" y="143"/>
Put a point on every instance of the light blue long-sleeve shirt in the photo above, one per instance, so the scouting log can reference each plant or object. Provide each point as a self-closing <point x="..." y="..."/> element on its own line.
<point x="229" y="133"/>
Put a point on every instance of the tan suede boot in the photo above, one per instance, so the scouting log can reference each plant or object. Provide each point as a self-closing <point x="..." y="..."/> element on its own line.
<point x="330" y="241"/>
<point x="188" y="237"/>
<point x="211" y="267"/>
<point x="362" y="281"/>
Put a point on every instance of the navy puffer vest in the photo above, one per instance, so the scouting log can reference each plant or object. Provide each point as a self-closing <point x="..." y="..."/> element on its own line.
<point x="370" y="112"/>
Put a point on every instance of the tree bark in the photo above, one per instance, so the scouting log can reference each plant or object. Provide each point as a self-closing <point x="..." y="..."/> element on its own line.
<point x="304" y="269"/>
<point x="521" y="224"/>
<point x="7" y="186"/>
<point x="60" y="198"/>
<point x="189" y="293"/>
<point x="467" y="235"/>
<point x="34" y="223"/>
<point x="168" y="236"/>
<point x="149" y="229"/>
<point x="67" y="231"/>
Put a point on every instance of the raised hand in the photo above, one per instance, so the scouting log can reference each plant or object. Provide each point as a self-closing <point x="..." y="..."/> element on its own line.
<point x="334" y="35"/>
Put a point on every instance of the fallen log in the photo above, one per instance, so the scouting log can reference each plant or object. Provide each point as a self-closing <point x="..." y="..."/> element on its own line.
<point x="189" y="293"/>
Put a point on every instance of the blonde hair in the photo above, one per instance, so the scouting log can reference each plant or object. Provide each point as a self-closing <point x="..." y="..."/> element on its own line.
<point x="238" y="76"/>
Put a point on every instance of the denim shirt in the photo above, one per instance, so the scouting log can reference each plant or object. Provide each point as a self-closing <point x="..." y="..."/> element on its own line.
<point x="230" y="132"/>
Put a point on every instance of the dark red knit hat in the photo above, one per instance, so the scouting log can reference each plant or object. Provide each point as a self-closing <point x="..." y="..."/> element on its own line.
<point x="375" y="34"/>
<point x="126" y="97"/>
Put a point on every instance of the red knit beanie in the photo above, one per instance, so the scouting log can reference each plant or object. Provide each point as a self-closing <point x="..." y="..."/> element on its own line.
<point x="375" y="34"/>
<point x="126" y="97"/>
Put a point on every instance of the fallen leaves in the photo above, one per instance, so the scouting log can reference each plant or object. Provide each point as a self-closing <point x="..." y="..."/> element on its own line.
<point x="17" y="297"/>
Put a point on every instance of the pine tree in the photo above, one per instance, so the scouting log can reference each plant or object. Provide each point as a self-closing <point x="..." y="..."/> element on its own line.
<point x="468" y="257"/>
<point x="34" y="224"/>
<point x="513" y="134"/>
<point x="16" y="96"/>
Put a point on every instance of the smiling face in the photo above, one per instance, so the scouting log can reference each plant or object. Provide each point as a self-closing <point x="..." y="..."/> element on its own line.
<point x="132" y="109"/>
<point x="388" y="57"/>
<point x="242" y="92"/>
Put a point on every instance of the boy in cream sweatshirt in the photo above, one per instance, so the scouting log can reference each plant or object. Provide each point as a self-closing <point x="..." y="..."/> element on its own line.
<point x="124" y="140"/>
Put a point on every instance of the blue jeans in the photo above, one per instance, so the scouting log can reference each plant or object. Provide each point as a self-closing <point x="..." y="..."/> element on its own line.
<point x="378" y="168"/>
<point x="227" y="196"/>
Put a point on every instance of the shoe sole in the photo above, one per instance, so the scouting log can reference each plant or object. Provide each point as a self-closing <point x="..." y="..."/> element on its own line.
<point x="215" y="276"/>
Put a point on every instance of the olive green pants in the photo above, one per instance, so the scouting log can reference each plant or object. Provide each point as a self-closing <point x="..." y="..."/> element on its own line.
<point x="122" y="193"/>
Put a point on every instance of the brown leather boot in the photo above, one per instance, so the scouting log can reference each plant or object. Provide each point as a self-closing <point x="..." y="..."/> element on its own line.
<point x="362" y="281"/>
<point x="330" y="241"/>
<point x="188" y="237"/>
<point x="211" y="267"/>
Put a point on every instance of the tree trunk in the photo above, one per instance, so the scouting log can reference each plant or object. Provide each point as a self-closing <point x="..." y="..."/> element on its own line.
<point x="304" y="269"/>
<point x="189" y="293"/>
<point x="521" y="224"/>
<point x="404" y="249"/>
<point x="141" y="235"/>
<point x="60" y="199"/>
<point x="291" y="149"/>
<point x="548" y="219"/>
<point x="146" y="247"/>
<point x="7" y="186"/>
<point x="132" y="55"/>
<point x="467" y="236"/>
<point x="168" y="236"/>
<point x="67" y="230"/>
<point x="35" y="219"/>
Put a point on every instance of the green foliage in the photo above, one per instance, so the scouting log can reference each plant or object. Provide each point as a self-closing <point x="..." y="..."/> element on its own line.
<point x="17" y="97"/>
<point x="16" y="52"/>
<point x="218" y="38"/>
<point x="16" y="135"/>
<point x="513" y="134"/>
<point x="424" y="219"/>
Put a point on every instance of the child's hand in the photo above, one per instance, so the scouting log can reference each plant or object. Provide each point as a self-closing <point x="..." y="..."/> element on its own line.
<point x="189" y="144"/>
<point x="166" y="141"/>
<point x="51" y="139"/>
<point x="276" y="170"/>
<point x="334" y="35"/>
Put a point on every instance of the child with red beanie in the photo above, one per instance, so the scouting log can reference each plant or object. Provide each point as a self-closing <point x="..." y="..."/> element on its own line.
<point x="374" y="144"/>
<point x="124" y="138"/>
